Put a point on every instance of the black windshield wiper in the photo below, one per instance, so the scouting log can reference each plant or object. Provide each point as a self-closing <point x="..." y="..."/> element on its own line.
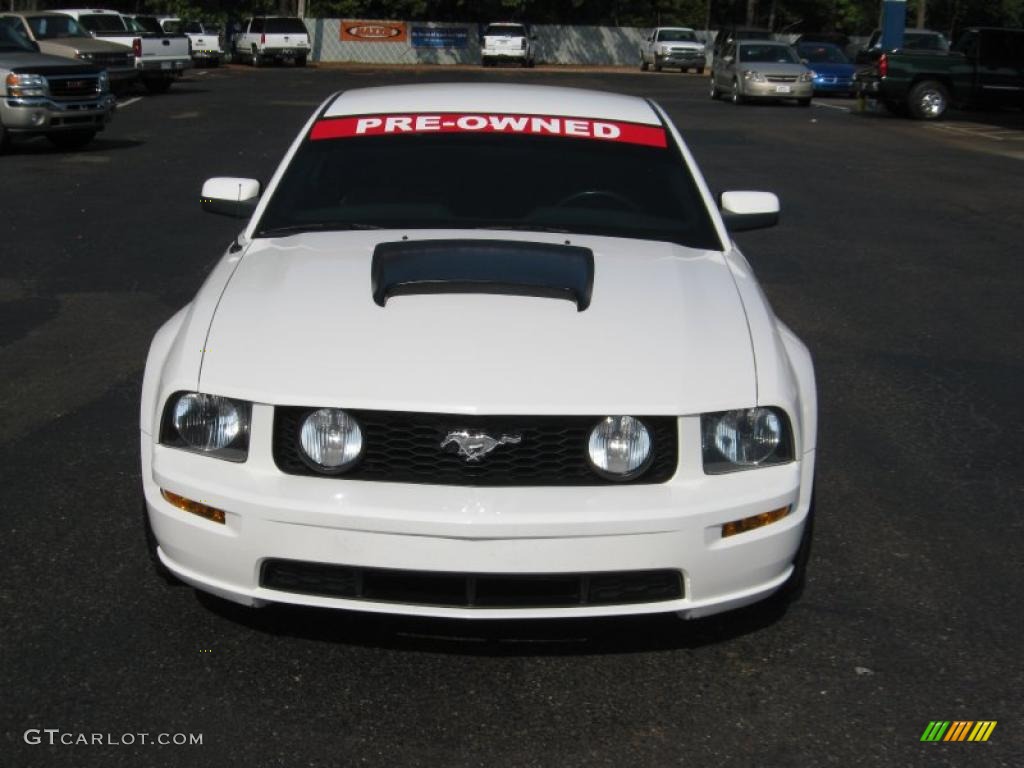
<point x="317" y="226"/>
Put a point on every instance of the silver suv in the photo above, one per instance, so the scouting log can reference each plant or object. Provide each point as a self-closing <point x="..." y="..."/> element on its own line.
<point x="48" y="95"/>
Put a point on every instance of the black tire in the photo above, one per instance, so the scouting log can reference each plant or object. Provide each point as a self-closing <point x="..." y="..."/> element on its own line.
<point x="255" y="59"/>
<point x="928" y="100"/>
<point x="68" y="140"/>
<point x="158" y="86"/>
<point x="300" y="61"/>
<point x="804" y="102"/>
<point x="4" y="140"/>
<point x="737" y="97"/>
<point x="657" y="67"/>
<point x="158" y="567"/>
<point x="644" y="66"/>
<point x="715" y="93"/>
<point x="700" y="70"/>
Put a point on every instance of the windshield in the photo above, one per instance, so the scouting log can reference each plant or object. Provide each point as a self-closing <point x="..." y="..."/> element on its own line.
<point x="55" y="27"/>
<point x="676" y="36"/>
<point x="285" y="27"/>
<point x="523" y="182"/>
<point x="767" y="54"/>
<point x="102" y="22"/>
<point x="820" y="53"/>
<point x="12" y="37"/>
<point x="505" y="30"/>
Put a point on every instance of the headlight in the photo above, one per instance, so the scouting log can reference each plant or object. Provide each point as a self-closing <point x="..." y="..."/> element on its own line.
<point x="754" y="437"/>
<point x="26" y="85"/>
<point x="806" y="77"/>
<point x="331" y="440"/>
<point x="208" y="424"/>
<point x="619" y="447"/>
<point x="104" y="81"/>
<point x="754" y="76"/>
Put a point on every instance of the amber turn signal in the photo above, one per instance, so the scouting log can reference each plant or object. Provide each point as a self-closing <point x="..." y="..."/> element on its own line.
<point x="750" y="523"/>
<point x="195" y="507"/>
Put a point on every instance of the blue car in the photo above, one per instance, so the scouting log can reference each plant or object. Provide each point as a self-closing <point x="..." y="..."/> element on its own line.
<point x="833" y="72"/>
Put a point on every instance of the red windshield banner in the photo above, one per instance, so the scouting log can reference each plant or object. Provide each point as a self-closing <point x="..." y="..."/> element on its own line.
<point x="524" y="125"/>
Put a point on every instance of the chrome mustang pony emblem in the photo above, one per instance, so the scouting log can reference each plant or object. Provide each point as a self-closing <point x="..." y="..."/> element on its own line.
<point x="473" y="445"/>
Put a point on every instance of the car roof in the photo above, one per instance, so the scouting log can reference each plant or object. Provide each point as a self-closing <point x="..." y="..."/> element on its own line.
<point x="91" y="11"/>
<point x="674" y="29"/>
<point x="763" y="42"/>
<point x="492" y="98"/>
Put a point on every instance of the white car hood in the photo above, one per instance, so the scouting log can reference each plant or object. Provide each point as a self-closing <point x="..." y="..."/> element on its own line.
<point x="665" y="334"/>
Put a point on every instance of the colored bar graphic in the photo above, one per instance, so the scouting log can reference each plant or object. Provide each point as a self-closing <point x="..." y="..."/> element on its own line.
<point x="935" y="730"/>
<point x="958" y="730"/>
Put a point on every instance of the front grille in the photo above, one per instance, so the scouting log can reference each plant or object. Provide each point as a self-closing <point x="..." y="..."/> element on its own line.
<point x="471" y="590"/>
<point x="403" y="447"/>
<point x="781" y="78"/>
<point x="84" y="86"/>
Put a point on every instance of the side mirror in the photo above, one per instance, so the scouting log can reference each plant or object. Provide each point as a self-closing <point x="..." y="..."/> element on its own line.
<point x="742" y="211"/>
<point x="229" y="196"/>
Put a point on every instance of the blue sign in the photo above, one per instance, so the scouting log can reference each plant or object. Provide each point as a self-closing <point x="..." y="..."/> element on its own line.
<point x="440" y="37"/>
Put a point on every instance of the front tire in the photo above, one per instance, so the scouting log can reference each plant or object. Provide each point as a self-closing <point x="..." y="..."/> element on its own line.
<point x="70" y="140"/>
<point x="737" y="97"/>
<point x="255" y="59"/>
<point x="644" y="66"/>
<point x="715" y="93"/>
<point x="928" y="100"/>
<point x="804" y="102"/>
<point x="700" y="70"/>
<point x="300" y="61"/>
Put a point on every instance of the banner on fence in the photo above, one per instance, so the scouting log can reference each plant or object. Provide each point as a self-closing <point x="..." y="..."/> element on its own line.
<point x="439" y="37"/>
<point x="358" y="31"/>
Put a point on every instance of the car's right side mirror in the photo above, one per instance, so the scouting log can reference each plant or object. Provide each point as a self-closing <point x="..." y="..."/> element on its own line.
<point x="743" y="211"/>
<point x="229" y="196"/>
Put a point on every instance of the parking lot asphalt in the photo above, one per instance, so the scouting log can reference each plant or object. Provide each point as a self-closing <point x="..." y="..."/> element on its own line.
<point x="898" y="262"/>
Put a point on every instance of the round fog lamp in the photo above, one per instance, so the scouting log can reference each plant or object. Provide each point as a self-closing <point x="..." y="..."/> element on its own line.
<point x="206" y="422"/>
<point x="619" y="447"/>
<point x="331" y="439"/>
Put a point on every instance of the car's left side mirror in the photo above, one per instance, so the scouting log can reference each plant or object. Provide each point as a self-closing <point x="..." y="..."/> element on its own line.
<point x="742" y="211"/>
<point x="229" y="196"/>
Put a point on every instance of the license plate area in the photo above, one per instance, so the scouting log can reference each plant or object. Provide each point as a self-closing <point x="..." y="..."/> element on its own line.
<point x="782" y="89"/>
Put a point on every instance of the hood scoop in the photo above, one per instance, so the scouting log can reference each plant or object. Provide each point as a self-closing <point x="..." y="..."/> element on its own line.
<point x="508" y="267"/>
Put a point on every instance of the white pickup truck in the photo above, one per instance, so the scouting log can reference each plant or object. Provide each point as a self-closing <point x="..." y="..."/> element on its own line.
<point x="159" y="57"/>
<point x="506" y="41"/>
<point x="673" y="47"/>
<point x="207" y="40"/>
<point x="266" y="38"/>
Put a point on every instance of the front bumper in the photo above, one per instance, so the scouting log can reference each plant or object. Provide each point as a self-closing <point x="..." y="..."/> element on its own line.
<point x="771" y="90"/>
<point x="833" y="85"/>
<point x="685" y="59"/>
<point x="45" y="115"/>
<point x="475" y="530"/>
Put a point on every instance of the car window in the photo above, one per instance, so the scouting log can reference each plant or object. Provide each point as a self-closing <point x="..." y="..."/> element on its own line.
<point x="257" y="26"/>
<point x="575" y="185"/>
<point x="148" y="24"/>
<point x="12" y="36"/>
<point x="285" y="27"/>
<point x="767" y="54"/>
<point x="676" y="36"/>
<point x="194" y="28"/>
<point x="819" y="53"/>
<point x="505" y="30"/>
<point x="925" y="41"/>
<point x="102" y="22"/>
<point x="55" y="27"/>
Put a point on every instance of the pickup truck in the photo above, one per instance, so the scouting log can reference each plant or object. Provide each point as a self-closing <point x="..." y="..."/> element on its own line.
<point x="60" y="35"/>
<point x="65" y="101"/>
<point x="265" y="38"/>
<point x="673" y="47"/>
<point x="160" y="58"/>
<point x="507" y="41"/>
<point x="913" y="40"/>
<point x="984" y="69"/>
<point x="207" y="42"/>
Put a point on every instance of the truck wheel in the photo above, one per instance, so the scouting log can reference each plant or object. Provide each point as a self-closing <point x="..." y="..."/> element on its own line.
<point x="256" y="60"/>
<point x="4" y="141"/>
<point x="71" y="139"/>
<point x="737" y="97"/>
<point x="300" y="61"/>
<point x="153" y="85"/>
<point x="804" y="102"/>
<point x="657" y="67"/>
<point x="928" y="100"/>
<point x="700" y="70"/>
<point x="715" y="93"/>
<point x="644" y="66"/>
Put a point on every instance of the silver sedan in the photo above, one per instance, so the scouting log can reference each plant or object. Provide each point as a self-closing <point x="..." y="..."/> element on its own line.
<point x="761" y="69"/>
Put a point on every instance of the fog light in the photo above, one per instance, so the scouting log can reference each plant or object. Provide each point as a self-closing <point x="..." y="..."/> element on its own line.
<point x="38" y="118"/>
<point x="195" y="507"/>
<point x="750" y="523"/>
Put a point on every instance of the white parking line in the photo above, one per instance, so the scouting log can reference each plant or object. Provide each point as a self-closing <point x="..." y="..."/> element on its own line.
<point x="830" y="106"/>
<point x="129" y="102"/>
